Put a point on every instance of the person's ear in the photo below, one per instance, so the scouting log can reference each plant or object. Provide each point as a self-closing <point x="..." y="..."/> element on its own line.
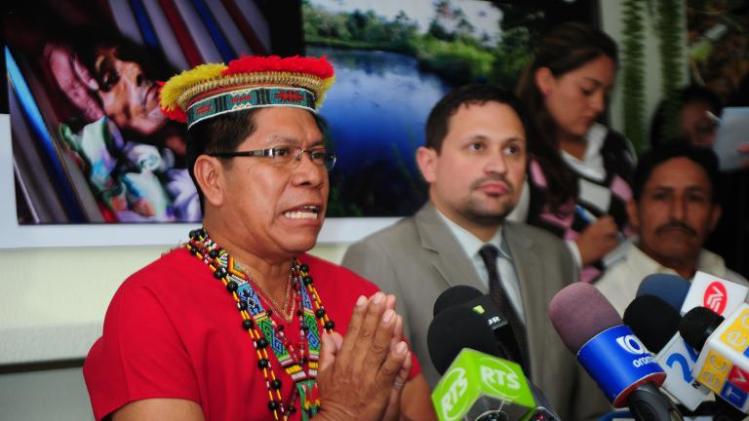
<point x="544" y="80"/>
<point x="426" y="159"/>
<point x="209" y="175"/>
<point x="633" y="215"/>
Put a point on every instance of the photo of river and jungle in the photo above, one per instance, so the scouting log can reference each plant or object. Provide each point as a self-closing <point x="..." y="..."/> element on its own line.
<point x="394" y="60"/>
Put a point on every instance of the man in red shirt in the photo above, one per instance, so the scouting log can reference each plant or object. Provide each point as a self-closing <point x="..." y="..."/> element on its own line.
<point x="242" y="324"/>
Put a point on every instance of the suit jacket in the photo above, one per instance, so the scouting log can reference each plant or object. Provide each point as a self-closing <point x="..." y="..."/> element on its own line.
<point x="418" y="258"/>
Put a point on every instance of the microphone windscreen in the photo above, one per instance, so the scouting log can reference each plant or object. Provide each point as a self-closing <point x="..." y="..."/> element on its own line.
<point x="456" y="328"/>
<point x="453" y="296"/>
<point x="652" y="320"/>
<point x="579" y="312"/>
<point x="697" y="325"/>
<point x="670" y="288"/>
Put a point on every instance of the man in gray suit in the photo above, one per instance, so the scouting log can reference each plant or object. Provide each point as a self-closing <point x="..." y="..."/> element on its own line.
<point x="474" y="162"/>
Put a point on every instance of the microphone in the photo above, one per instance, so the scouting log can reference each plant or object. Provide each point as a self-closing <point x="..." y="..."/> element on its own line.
<point x="670" y="288"/>
<point x="722" y="365"/>
<point x="481" y="387"/>
<point x="543" y="410"/>
<point x="476" y="385"/>
<point x="469" y="297"/>
<point x="454" y="329"/>
<point x="653" y="320"/>
<point x="656" y="323"/>
<point x="456" y="295"/>
<point x="717" y="294"/>
<point x="611" y="354"/>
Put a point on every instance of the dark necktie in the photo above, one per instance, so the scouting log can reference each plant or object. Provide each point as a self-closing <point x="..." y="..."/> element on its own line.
<point x="498" y="294"/>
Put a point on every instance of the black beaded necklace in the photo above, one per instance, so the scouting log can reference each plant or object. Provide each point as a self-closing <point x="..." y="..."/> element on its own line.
<point x="299" y="362"/>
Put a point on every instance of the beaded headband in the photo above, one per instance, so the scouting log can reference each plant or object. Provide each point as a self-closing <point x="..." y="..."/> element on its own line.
<point x="209" y="90"/>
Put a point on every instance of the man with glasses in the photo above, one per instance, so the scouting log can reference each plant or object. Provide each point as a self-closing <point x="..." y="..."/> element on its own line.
<point x="240" y="323"/>
<point x="287" y="155"/>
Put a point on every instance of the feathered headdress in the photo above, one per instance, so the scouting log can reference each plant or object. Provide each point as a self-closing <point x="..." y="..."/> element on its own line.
<point x="209" y="90"/>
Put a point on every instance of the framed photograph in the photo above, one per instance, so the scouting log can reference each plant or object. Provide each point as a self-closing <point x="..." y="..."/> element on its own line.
<point x="394" y="60"/>
<point x="87" y="158"/>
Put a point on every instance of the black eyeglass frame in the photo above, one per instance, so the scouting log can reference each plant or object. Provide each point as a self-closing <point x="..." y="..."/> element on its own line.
<point x="329" y="159"/>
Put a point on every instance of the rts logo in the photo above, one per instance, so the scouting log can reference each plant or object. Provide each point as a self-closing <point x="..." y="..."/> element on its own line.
<point x="715" y="297"/>
<point x="499" y="377"/>
<point x="454" y="402"/>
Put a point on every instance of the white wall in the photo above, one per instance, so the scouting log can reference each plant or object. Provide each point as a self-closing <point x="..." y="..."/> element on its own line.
<point x="50" y="395"/>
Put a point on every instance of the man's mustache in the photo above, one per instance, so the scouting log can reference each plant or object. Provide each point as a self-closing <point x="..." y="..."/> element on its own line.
<point x="492" y="177"/>
<point x="676" y="225"/>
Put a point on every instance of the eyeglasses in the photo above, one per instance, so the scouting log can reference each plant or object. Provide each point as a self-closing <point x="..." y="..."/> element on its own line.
<point x="285" y="155"/>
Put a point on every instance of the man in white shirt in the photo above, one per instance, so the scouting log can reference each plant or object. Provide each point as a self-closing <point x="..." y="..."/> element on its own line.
<point x="474" y="161"/>
<point x="673" y="210"/>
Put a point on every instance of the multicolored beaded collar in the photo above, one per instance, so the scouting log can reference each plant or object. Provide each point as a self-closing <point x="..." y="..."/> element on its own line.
<point x="299" y="363"/>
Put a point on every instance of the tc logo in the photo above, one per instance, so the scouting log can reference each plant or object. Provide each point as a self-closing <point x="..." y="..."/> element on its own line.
<point x="631" y="344"/>
<point x="715" y="297"/>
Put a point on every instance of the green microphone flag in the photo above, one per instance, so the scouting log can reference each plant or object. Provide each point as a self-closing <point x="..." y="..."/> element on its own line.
<point x="477" y="385"/>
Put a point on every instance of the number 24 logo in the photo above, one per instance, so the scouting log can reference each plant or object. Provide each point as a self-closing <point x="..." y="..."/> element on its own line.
<point x="681" y="360"/>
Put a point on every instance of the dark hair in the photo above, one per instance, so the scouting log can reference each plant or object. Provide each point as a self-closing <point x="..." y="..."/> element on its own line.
<point x="223" y="133"/>
<point x="439" y="117"/>
<point x="90" y="42"/>
<point x="662" y="123"/>
<point x="676" y="148"/>
<point x="565" y="48"/>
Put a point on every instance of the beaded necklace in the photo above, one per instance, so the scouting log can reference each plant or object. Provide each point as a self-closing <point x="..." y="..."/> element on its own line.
<point x="299" y="363"/>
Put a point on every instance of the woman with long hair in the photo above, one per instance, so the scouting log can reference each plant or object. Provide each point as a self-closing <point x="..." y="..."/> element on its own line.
<point x="579" y="170"/>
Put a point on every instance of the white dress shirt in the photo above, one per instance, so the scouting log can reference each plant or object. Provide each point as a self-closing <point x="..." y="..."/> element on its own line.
<point x="471" y="246"/>
<point x="620" y="282"/>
